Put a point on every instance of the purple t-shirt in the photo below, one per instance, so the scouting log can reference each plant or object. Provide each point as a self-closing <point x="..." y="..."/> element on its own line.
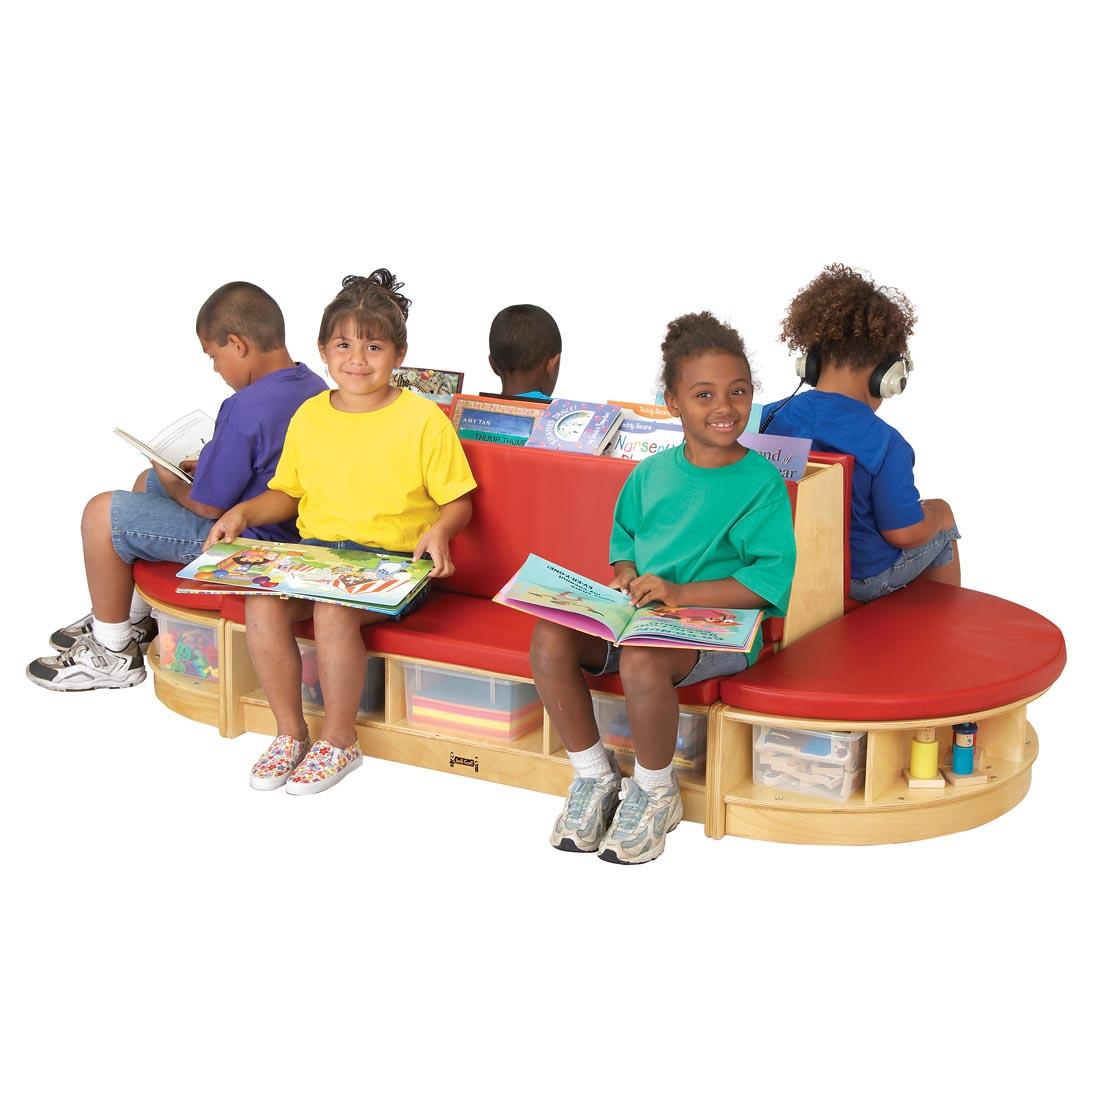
<point x="248" y="438"/>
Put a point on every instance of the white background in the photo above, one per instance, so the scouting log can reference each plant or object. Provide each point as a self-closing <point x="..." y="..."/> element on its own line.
<point x="168" y="932"/>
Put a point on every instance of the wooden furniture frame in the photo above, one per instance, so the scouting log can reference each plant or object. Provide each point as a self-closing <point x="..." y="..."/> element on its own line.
<point x="725" y="799"/>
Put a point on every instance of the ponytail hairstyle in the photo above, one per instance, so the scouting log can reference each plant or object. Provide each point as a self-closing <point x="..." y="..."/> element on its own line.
<point x="696" y="334"/>
<point x="374" y="304"/>
<point x="849" y="319"/>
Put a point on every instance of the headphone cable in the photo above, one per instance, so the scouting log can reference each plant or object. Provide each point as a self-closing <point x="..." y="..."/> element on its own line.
<point x="771" y="415"/>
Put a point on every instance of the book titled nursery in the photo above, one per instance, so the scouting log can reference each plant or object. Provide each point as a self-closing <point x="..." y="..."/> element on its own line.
<point x="181" y="440"/>
<point x="552" y="592"/>
<point x="354" y="578"/>
<point x="585" y="427"/>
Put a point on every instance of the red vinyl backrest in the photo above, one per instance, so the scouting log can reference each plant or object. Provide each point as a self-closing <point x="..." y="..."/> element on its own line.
<point x="559" y="506"/>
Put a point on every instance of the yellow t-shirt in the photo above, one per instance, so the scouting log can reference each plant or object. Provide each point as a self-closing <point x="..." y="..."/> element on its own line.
<point x="378" y="478"/>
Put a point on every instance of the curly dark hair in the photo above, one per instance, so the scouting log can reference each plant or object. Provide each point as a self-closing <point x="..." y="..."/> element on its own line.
<point x="374" y="303"/>
<point x="850" y="319"/>
<point x="696" y="334"/>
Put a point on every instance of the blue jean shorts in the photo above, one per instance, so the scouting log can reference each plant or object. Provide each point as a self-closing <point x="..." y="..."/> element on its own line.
<point x="711" y="663"/>
<point x="911" y="564"/>
<point x="346" y="544"/>
<point x="152" y="526"/>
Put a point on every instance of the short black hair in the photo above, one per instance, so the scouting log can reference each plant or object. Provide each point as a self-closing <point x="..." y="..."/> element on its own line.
<point x="523" y="337"/>
<point x="243" y="309"/>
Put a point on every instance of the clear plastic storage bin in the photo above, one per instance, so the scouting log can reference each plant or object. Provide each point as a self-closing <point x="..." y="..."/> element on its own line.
<point x="187" y="648"/>
<point x="825" y="764"/>
<point x="374" y="687"/>
<point x="691" y="734"/>
<point x="468" y="703"/>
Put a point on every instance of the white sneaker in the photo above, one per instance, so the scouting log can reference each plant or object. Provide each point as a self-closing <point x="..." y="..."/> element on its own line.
<point x="87" y="665"/>
<point x="587" y="813"/>
<point x="643" y="819"/>
<point x="142" y="632"/>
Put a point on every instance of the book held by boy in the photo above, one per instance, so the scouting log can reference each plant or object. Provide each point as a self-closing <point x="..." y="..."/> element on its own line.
<point x="181" y="440"/>
<point x="583" y="427"/>
<point x="552" y="592"/>
<point x="353" y="578"/>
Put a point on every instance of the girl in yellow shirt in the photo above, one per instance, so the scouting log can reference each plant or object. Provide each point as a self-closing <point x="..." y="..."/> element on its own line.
<point x="364" y="466"/>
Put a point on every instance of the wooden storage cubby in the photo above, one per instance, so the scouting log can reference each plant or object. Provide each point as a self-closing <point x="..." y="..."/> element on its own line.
<point x="886" y="810"/>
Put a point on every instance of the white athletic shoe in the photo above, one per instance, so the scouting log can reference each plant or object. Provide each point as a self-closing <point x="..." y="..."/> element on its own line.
<point x="643" y="819"/>
<point x="87" y="665"/>
<point x="142" y="632"/>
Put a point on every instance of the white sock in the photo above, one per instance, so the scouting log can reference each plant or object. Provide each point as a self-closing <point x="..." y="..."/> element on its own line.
<point x="139" y="607"/>
<point x="114" y="636"/>
<point x="655" y="780"/>
<point x="592" y="763"/>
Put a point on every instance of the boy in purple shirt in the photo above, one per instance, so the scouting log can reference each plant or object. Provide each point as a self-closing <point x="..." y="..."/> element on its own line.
<point x="164" y="518"/>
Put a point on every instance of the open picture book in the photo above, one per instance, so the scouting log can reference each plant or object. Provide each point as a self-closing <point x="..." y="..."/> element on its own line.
<point x="181" y="440"/>
<point x="552" y="592"/>
<point x="354" y="578"/>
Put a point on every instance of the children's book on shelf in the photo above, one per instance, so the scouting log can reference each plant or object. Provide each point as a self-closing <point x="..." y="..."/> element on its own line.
<point x="552" y="592"/>
<point x="439" y="386"/>
<point x="645" y="430"/>
<point x="353" y="578"/>
<point x="181" y="440"/>
<point x="583" y="427"/>
<point x="495" y="419"/>
<point x="787" y="453"/>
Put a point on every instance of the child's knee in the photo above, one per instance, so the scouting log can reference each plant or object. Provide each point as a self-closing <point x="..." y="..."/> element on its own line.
<point x="641" y="667"/>
<point x="552" y="646"/>
<point x="96" y="519"/>
<point x="139" y="484"/>
<point x="331" y="618"/>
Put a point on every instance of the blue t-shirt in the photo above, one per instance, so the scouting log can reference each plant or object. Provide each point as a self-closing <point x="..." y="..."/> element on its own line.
<point x="248" y="438"/>
<point x="884" y="495"/>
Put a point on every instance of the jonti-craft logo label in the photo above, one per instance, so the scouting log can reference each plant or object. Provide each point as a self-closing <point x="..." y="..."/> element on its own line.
<point x="465" y="762"/>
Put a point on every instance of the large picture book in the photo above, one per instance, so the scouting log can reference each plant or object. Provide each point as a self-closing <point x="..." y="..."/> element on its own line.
<point x="354" y="578"/>
<point x="552" y="592"/>
<point x="583" y="427"/>
<point x="181" y="440"/>
<point x="495" y="419"/>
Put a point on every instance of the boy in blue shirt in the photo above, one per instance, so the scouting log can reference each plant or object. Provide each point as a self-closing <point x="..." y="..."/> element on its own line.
<point x="525" y="352"/>
<point x="164" y="518"/>
<point x="854" y="339"/>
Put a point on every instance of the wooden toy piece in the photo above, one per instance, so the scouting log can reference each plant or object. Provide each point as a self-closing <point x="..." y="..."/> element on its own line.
<point x="924" y="760"/>
<point x="962" y="772"/>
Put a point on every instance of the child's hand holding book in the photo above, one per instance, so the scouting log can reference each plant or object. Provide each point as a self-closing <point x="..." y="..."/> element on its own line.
<point x="649" y="588"/>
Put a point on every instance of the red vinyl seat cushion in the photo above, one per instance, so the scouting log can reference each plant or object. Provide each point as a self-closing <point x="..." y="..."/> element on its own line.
<point x="928" y="651"/>
<point x="157" y="579"/>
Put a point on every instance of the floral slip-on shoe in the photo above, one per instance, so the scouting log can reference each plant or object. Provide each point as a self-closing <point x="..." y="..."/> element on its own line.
<point x="277" y="761"/>
<point x="323" y="766"/>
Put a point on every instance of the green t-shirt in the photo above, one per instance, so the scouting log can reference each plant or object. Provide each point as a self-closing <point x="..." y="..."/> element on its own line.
<point x="690" y="523"/>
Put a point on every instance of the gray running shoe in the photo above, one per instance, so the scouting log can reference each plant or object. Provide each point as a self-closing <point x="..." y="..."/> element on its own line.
<point x="142" y="632"/>
<point x="86" y="665"/>
<point x="637" y="835"/>
<point x="588" y="810"/>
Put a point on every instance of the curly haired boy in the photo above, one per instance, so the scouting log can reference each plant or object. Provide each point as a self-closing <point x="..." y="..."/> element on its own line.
<point x="854" y="340"/>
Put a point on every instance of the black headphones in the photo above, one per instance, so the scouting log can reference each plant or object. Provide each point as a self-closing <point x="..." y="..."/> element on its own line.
<point x="888" y="379"/>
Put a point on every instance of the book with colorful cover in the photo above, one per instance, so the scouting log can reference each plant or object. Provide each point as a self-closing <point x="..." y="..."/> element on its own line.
<point x="353" y="578"/>
<point x="181" y="440"/>
<point x="495" y="420"/>
<point x="583" y="427"/>
<point x="439" y="386"/>
<point x="787" y="453"/>
<point x="645" y="430"/>
<point x="559" y="595"/>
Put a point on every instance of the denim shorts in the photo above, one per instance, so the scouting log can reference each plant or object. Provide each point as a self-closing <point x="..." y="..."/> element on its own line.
<point x="911" y="564"/>
<point x="346" y="544"/>
<point x="711" y="663"/>
<point x="152" y="526"/>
